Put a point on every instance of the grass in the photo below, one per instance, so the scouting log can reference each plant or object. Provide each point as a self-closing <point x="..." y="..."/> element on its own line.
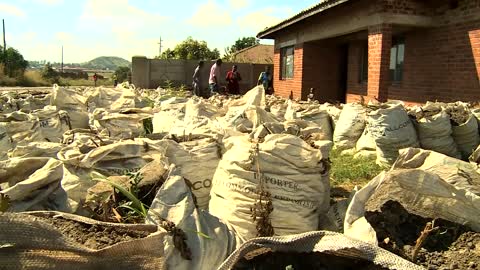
<point x="33" y="78"/>
<point x="347" y="172"/>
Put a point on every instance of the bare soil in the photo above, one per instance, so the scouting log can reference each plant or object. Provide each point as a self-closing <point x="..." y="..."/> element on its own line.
<point x="93" y="236"/>
<point x="450" y="246"/>
<point x="296" y="261"/>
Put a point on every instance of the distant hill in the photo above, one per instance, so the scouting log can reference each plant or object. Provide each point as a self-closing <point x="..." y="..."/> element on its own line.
<point x="107" y="62"/>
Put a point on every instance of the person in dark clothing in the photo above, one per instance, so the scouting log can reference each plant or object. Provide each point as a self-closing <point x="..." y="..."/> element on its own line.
<point x="233" y="78"/>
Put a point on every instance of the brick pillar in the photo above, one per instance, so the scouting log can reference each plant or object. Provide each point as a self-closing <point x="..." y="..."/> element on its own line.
<point x="379" y="45"/>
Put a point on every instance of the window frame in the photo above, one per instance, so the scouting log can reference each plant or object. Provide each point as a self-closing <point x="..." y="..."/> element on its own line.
<point x="396" y="74"/>
<point x="283" y="63"/>
<point x="363" y="70"/>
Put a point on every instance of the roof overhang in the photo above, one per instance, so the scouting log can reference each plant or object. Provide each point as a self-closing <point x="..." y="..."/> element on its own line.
<point x="318" y="8"/>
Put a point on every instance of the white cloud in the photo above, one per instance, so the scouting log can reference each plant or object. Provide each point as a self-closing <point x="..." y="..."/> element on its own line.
<point x="239" y="4"/>
<point x="117" y="16"/>
<point x="12" y="10"/>
<point x="49" y="2"/>
<point x="211" y="14"/>
<point x="259" y="20"/>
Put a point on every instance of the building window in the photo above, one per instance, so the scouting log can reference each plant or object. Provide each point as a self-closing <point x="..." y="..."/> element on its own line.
<point x="286" y="56"/>
<point x="397" y="54"/>
<point x="363" y="75"/>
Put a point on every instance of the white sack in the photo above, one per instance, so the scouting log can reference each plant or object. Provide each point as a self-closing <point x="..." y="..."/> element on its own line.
<point x="349" y="127"/>
<point x="294" y="173"/>
<point x="196" y="161"/>
<point x="466" y="136"/>
<point x="73" y="103"/>
<point x="210" y="240"/>
<point x="33" y="184"/>
<point x="393" y="130"/>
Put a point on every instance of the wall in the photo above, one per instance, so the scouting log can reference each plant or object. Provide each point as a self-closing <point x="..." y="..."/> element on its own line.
<point x="151" y="73"/>
<point x="294" y="85"/>
<point x="443" y="63"/>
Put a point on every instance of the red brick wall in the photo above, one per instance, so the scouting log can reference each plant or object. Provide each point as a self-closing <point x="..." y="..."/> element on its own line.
<point x="284" y="87"/>
<point x="379" y="44"/>
<point x="443" y="63"/>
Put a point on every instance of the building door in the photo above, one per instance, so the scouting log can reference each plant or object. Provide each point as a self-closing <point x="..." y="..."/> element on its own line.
<point x="343" y="66"/>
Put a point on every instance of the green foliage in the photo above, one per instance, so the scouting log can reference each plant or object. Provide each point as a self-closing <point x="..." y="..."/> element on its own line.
<point x="133" y="204"/>
<point x="191" y="49"/>
<point x="240" y="44"/>
<point x="148" y="126"/>
<point x="13" y="62"/>
<point x="50" y="74"/>
<point x="122" y="74"/>
<point x="347" y="170"/>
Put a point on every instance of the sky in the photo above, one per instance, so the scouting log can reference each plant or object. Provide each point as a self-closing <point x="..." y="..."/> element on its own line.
<point x="125" y="28"/>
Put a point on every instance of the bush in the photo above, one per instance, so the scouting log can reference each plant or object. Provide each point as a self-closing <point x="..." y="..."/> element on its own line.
<point x="350" y="171"/>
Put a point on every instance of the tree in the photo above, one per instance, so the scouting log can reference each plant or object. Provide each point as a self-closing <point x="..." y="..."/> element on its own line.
<point x="50" y="74"/>
<point x="13" y="62"/>
<point x="191" y="49"/>
<point x="122" y="74"/>
<point x="240" y="44"/>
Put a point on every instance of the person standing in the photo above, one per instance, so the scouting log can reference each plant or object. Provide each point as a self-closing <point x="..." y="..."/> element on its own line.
<point x="265" y="79"/>
<point x="95" y="78"/>
<point x="233" y="78"/>
<point x="197" y="82"/>
<point x="214" y="78"/>
<point x="115" y="80"/>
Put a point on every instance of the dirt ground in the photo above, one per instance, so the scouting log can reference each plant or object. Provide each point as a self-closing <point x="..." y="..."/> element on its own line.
<point x="449" y="246"/>
<point x="297" y="261"/>
<point x="94" y="236"/>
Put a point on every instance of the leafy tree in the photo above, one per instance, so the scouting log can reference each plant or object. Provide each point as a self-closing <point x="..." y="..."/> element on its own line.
<point x="191" y="49"/>
<point x="13" y="62"/>
<point x="240" y="44"/>
<point x="50" y="74"/>
<point x="122" y="74"/>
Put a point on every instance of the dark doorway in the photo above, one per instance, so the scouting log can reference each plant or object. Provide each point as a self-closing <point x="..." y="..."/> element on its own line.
<point x="343" y="71"/>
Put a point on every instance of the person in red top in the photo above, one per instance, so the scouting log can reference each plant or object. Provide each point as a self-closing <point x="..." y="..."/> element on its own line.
<point x="233" y="77"/>
<point x="95" y="78"/>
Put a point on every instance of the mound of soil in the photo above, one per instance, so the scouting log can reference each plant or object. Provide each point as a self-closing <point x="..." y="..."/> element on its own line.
<point x="449" y="246"/>
<point x="297" y="261"/>
<point x="93" y="236"/>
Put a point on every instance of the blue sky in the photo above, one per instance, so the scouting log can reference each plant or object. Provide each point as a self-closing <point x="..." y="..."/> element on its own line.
<point x="91" y="28"/>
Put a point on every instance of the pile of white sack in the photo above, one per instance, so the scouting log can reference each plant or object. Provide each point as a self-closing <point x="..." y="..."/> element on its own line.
<point x="229" y="169"/>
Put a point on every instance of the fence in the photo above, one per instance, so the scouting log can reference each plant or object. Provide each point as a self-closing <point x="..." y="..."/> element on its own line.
<point x="151" y="73"/>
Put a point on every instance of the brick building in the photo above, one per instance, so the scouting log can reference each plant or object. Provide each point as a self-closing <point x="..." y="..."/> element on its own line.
<point x="410" y="50"/>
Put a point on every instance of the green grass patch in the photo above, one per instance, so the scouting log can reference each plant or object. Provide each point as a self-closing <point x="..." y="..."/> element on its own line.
<point x="349" y="171"/>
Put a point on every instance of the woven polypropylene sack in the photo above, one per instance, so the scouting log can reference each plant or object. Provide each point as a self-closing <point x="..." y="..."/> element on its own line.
<point x="435" y="133"/>
<point x="29" y="243"/>
<point x="466" y="136"/>
<point x="393" y="130"/>
<point x="293" y="172"/>
<point x="73" y="103"/>
<point x="349" y="126"/>
<point x="321" y="241"/>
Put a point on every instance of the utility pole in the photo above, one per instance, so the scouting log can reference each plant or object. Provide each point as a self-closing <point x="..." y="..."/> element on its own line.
<point x="160" y="47"/>
<point x="4" y="47"/>
<point x="62" y="58"/>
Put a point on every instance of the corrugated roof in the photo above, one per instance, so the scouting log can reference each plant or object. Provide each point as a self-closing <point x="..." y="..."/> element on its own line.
<point x="320" y="7"/>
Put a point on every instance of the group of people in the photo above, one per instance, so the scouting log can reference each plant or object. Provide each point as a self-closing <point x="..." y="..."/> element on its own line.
<point x="233" y="79"/>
